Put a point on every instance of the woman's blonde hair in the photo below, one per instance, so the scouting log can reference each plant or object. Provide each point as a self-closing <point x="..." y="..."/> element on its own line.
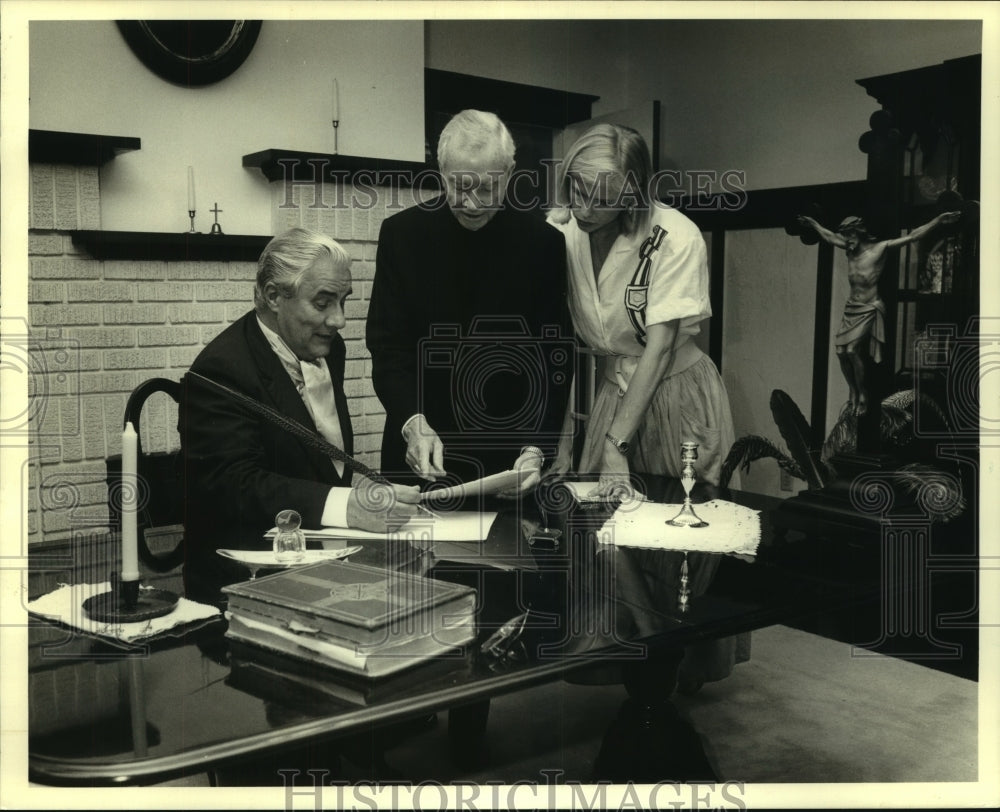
<point x="613" y="159"/>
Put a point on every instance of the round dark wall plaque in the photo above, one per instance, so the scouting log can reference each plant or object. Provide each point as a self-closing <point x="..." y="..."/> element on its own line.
<point x="191" y="53"/>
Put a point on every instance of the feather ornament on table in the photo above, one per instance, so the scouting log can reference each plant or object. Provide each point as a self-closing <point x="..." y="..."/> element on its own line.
<point x="798" y="437"/>
<point x="751" y="448"/>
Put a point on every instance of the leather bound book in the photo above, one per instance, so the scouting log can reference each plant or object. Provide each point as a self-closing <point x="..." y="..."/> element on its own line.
<point x="309" y="686"/>
<point x="365" y="620"/>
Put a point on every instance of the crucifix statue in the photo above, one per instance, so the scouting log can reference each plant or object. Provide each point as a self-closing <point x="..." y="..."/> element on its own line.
<point x="864" y="312"/>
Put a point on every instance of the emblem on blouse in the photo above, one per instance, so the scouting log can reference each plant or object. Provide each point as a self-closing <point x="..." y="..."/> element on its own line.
<point x="635" y="291"/>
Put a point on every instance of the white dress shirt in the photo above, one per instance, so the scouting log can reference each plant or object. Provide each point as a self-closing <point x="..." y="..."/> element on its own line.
<point x="313" y="383"/>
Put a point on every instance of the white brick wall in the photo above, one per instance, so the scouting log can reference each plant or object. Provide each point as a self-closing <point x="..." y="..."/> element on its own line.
<point x="106" y="326"/>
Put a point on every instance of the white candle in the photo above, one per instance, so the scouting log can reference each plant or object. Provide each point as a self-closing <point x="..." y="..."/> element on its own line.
<point x="191" y="189"/>
<point x="130" y="552"/>
<point x="336" y="101"/>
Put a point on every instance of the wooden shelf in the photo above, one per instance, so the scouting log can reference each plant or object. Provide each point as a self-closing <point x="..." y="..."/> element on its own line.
<point x="170" y="247"/>
<point x="286" y="164"/>
<point x="79" y="149"/>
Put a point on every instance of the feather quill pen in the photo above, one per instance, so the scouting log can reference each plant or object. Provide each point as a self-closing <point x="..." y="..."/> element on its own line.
<point x="309" y="437"/>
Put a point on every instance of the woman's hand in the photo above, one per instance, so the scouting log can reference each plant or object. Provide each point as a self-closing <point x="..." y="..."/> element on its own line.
<point x="563" y="463"/>
<point x="614" y="473"/>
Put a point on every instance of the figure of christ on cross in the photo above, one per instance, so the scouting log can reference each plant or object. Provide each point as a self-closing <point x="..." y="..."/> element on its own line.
<point x="864" y="312"/>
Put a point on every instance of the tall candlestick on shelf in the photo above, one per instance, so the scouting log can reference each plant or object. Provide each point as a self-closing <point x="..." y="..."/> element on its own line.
<point x="129" y="491"/>
<point x="191" y="204"/>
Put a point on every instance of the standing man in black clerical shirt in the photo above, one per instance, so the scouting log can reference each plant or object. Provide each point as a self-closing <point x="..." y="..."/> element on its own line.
<point x="468" y="325"/>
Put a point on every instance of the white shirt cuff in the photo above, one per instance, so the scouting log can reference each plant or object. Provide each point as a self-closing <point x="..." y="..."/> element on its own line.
<point x="335" y="509"/>
<point x="407" y="423"/>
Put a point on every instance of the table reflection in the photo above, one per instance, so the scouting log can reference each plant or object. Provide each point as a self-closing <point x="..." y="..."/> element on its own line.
<point x="571" y="608"/>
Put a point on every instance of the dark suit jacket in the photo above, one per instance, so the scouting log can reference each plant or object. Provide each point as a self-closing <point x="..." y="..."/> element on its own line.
<point x="472" y="329"/>
<point x="241" y="469"/>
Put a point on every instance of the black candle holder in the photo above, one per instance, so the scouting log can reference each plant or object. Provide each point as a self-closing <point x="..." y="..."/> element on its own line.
<point x="126" y="603"/>
<point x="192" y="230"/>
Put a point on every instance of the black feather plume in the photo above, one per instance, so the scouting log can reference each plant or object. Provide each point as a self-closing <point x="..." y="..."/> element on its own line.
<point x="750" y="448"/>
<point x="798" y="437"/>
<point x="309" y="437"/>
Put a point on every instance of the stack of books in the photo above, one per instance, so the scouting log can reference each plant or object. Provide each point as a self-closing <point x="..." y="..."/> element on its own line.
<point x="312" y="688"/>
<point x="366" y="621"/>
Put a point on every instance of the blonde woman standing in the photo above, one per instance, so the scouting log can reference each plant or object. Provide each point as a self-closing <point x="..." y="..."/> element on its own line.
<point x="638" y="291"/>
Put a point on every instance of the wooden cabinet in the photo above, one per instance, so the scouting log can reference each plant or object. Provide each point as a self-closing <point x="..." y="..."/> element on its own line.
<point x="924" y="158"/>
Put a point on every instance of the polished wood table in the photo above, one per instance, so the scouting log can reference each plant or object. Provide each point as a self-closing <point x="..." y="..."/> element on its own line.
<point x="197" y="702"/>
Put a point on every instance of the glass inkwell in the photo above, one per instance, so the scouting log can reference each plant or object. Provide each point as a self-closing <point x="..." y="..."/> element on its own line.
<point x="289" y="541"/>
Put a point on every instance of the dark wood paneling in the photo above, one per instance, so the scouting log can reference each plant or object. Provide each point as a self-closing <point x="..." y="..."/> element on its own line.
<point x="448" y="92"/>
<point x="772" y="208"/>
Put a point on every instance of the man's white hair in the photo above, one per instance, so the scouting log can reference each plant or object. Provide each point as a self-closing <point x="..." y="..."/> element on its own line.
<point x="471" y="132"/>
<point x="287" y="257"/>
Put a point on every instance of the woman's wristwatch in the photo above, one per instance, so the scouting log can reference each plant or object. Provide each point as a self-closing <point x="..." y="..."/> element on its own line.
<point x="622" y="446"/>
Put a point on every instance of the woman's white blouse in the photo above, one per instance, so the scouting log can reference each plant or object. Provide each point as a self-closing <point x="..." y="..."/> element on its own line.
<point x="667" y="272"/>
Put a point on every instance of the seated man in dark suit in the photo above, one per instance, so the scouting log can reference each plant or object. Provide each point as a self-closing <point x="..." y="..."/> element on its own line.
<point x="242" y="469"/>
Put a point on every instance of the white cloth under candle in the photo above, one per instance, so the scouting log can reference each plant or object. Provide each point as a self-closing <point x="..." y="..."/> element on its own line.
<point x="65" y="604"/>
<point x="731" y="528"/>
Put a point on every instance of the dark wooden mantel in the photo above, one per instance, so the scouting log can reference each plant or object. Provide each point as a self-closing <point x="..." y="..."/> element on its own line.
<point x="292" y="165"/>
<point x="167" y="247"/>
<point x="78" y="149"/>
